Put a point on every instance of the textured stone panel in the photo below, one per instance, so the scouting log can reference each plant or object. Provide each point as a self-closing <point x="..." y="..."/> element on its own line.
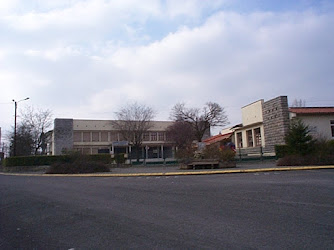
<point x="276" y="120"/>
<point x="63" y="135"/>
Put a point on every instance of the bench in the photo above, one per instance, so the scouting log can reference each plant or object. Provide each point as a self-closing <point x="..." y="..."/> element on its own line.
<point x="203" y="164"/>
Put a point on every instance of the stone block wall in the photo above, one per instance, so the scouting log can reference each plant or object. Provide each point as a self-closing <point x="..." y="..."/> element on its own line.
<point x="275" y="121"/>
<point x="63" y="135"/>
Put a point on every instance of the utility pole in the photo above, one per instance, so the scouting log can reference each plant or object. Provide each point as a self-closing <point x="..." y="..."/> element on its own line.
<point x="16" y="102"/>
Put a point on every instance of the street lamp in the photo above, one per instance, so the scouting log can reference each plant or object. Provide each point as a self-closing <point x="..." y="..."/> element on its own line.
<point x="16" y="102"/>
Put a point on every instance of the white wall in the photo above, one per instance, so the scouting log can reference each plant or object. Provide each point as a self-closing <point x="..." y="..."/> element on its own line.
<point x="244" y="135"/>
<point x="320" y="124"/>
<point x="252" y="113"/>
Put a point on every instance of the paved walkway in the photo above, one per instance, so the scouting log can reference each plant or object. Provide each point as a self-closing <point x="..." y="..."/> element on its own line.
<point x="161" y="170"/>
<point x="176" y="168"/>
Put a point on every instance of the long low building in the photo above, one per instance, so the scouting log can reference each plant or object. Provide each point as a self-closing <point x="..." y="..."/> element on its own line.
<point x="101" y="136"/>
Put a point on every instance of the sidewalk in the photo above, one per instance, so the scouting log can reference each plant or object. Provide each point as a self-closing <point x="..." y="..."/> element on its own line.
<point x="176" y="168"/>
<point x="170" y="170"/>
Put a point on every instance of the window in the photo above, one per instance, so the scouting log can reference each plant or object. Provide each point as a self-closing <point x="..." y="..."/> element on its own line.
<point x="77" y="136"/>
<point x="146" y="137"/>
<point x="249" y="135"/>
<point x="239" y="140"/>
<point x="168" y="136"/>
<point x="95" y="137"/>
<point x="104" y="136"/>
<point x="121" y="137"/>
<point x="332" y="127"/>
<point x="103" y="151"/>
<point x="113" y="136"/>
<point x="161" y="136"/>
<point x="257" y="135"/>
<point x="153" y="136"/>
<point x="86" y="136"/>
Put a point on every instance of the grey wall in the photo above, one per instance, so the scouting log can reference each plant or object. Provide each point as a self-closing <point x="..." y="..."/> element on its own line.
<point x="275" y="120"/>
<point x="63" y="135"/>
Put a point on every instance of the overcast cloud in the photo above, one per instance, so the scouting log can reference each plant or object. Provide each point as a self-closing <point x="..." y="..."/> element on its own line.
<point x="85" y="59"/>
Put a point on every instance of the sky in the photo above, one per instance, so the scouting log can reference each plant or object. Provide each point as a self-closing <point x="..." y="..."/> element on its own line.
<point x="85" y="59"/>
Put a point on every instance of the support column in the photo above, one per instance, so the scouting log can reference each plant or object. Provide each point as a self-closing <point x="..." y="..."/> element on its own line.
<point x="162" y="151"/>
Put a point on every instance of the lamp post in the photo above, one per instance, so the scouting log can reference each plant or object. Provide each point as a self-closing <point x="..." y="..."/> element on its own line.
<point x="16" y="102"/>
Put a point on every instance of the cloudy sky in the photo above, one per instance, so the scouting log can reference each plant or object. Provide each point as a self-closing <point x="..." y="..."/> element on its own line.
<point x="87" y="58"/>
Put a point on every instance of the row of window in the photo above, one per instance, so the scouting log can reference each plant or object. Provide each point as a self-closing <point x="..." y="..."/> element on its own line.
<point x="110" y="136"/>
<point x="250" y="134"/>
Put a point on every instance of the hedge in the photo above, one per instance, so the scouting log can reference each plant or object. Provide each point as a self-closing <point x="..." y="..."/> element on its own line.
<point x="281" y="151"/>
<point x="42" y="160"/>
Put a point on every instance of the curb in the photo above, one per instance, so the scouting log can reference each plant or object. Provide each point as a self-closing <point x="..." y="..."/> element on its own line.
<point x="232" y="171"/>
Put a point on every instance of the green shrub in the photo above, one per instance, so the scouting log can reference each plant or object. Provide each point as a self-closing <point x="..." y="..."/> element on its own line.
<point x="102" y="158"/>
<point x="213" y="152"/>
<point x="298" y="140"/>
<point x="77" y="167"/>
<point x="227" y="155"/>
<point x="308" y="160"/>
<point x="78" y="164"/>
<point x="281" y="150"/>
<point x="41" y="160"/>
<point x="322" y="153"/>
<point x="119" y="158"/>
<point x="185" y="155"/>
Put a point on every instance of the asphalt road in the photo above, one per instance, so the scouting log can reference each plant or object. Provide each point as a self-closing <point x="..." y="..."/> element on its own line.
<point x="276" y="210"/>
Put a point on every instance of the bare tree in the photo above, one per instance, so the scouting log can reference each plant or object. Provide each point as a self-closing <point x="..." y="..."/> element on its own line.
<point x="38" y="122"/>
<point x="181" y="133"/>
<point x="24" y="142"/>
<point x="211" y="115"/>
<point x="132" y="122"/>
<point x="298" y="103"/>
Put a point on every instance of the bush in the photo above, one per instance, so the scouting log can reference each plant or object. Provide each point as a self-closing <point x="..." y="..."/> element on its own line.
<point x="213" y="152"/>
<point x="322" y="153"/>
<point x="281" y="150"/>
<point x="77" y="168"/>
<point x="298" y="140"/>
<point x="185" y="155"/>
<point x="309" y="160"/>
<point x="31" y="160"/>
<point x="41" y="160"/>
<point x="77" y="164"/>
<point x="119" y="158"/>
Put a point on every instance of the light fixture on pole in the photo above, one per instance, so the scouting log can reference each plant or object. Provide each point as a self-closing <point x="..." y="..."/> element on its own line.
<point x="14" y="144"/>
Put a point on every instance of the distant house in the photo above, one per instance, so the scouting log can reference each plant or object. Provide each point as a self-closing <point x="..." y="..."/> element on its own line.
<point x="100" y="136"/>
<point x="319" y="119"/>
<point x="266" y="123"/>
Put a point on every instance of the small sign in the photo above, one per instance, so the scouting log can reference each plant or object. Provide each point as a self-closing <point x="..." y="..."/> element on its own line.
<point x="120" y="143"/>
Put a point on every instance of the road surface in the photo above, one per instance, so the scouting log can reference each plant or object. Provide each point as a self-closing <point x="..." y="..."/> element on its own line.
<point x="274" y="210"/>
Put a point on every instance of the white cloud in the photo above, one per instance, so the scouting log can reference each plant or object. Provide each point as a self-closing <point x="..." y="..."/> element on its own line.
<point x="88" y="67"/>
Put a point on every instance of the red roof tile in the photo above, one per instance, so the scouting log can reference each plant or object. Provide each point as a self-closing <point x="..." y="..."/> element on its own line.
<point x="313" y="110"/>
<point x="217" y="138"/>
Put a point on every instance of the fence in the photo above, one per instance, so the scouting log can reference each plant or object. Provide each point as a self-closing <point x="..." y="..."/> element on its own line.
<point x="255" y="153"/>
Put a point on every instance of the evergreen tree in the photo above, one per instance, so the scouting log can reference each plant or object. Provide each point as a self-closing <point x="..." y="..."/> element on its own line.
<point x="298" y="139"/>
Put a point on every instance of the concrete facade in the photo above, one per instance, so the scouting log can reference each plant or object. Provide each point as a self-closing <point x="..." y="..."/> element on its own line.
<point x="62" y="137"/>
<point x="249" y="136"/>
<point x="100" y="136"/>
<point x="264" y="125"/>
